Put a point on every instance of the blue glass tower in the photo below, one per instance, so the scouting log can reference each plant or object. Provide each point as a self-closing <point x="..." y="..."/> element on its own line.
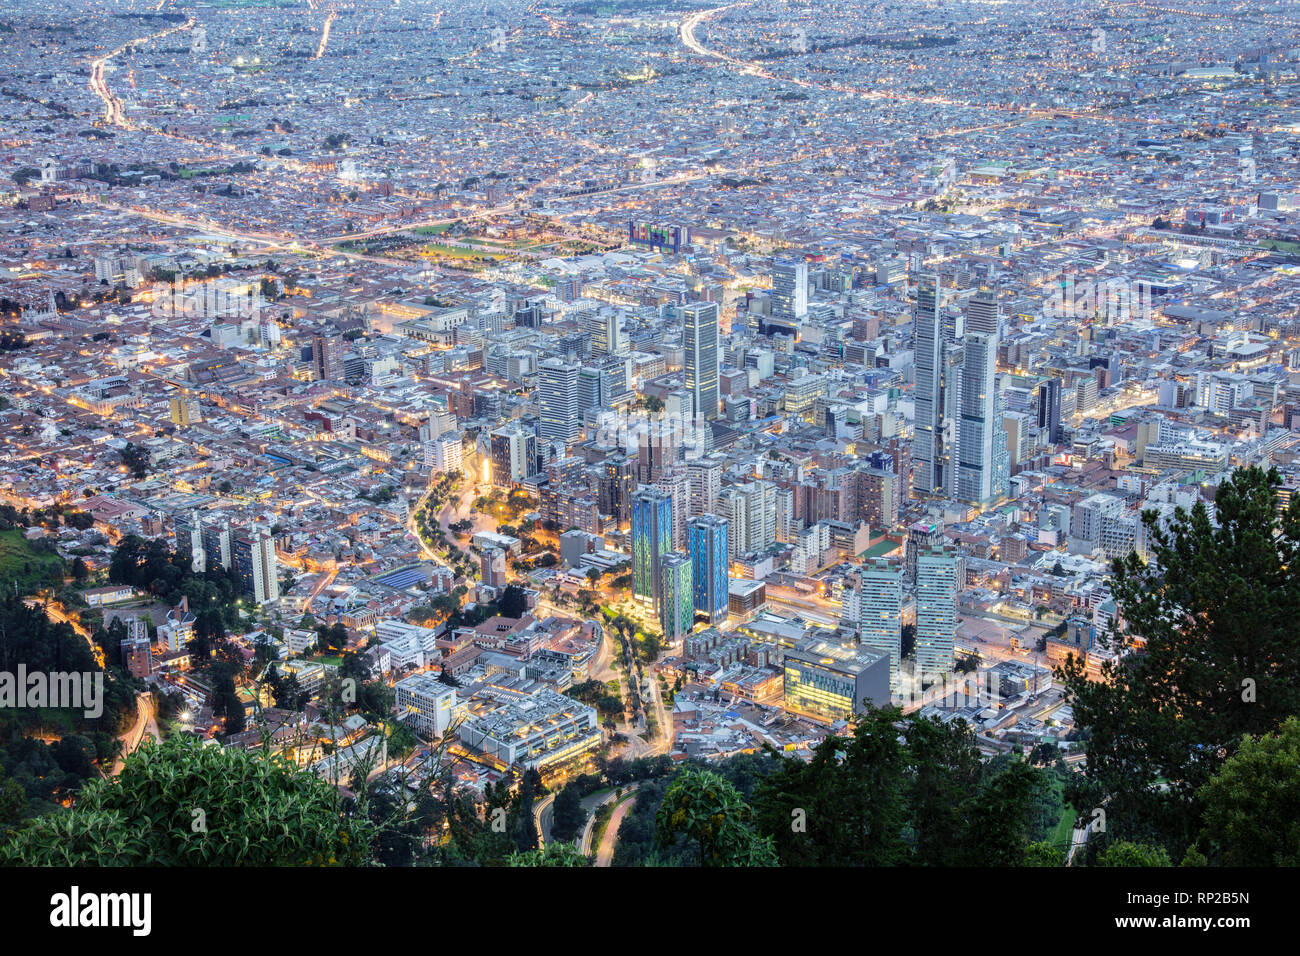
<point x="652" y="538"/>
<point x="706" y="543"/>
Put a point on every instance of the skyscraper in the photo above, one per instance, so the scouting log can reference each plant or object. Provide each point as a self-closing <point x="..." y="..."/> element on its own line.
<point x="256" y="565"/>
<point x="676" y="609"/>
<point x="652" y="538"/>
<point x="880" y="612"/>
<point x="603" y="327"/>
<point x="927" y="434"/>
<point x="676" y="484"/>
<point x="752" y="509"/>
<point x="706" y="543"/>
<point x="557" y="400"/>
<point x="514" y="454"/>
<point x="789" y="290"/>
<point x="977" y="420"/>
<point x="706" y="481"/>
<point x="936" y="613"/>
<point x="217" y="545"/>
<point x="327" y="357"/>
<point x="700" y="339"/>
<point x="1049" y="409"/>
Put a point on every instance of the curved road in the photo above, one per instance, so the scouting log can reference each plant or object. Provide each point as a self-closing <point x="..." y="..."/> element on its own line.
<point x="609" y="839"/>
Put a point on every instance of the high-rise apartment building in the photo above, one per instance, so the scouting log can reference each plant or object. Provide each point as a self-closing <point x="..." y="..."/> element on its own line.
<point x="256" y="565"/>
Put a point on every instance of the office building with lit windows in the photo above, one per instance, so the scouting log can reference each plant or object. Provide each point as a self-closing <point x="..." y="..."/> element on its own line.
<point x="700" y="344"/>
<point x="677" y="605"/>
<point x="834" y="681"/>
<point x="706" y="543"/>
<point x="652" y="538"/>
<point x="936" y="613"/>
<point x="880" y="612"/>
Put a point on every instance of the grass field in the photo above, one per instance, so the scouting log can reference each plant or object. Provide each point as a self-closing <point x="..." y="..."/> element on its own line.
<point x="22" y="563"/>
<point x="1063" y="834"/>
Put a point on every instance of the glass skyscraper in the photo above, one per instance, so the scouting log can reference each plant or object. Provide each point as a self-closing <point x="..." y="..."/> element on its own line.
<point x="652" y="538"/>
<point x="706" y="543"/>
<point x="676" y="610"/>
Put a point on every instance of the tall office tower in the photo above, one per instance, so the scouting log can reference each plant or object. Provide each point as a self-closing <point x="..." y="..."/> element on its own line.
<point x="936" y="613"/>
<point x="652" y="538"/>
<point x="615" y="489"/>
<point x="752" y="510"/>
<point x="676" y="609"/>
<point x="606" y="335"/>
<point x="256" y="565"/>
<point x="706" y="543"/>
<point x="327" y="357"/>
<point x="677" y="486"/>
<point x="927" y="435"/>
<point x="977" y="419"/>
<point x="588" y="389"/>
<point x="789" y="290"/>
<point x="700" y="340"/>
<point x="706" y="481"/>
<point x="613" y="378"/>
<point x="557" y="400"/>
<point x="880" y="612"/>
<point x="1049" y="409"/>
<point x="982" y="313"/>
<point x="513" y="451"/>
<point x="217" y="545"/>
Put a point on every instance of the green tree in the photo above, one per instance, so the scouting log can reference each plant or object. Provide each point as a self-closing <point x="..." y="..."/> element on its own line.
<point x="845" y="806"/>
<point x="1125" y="853"/>
<point x="513" y="601"/>
<point x="555" y="854"/>
<point x="567" y="815"/>
<point x="1043" y="853"/>
<point x="1216" y="608"/>
<point x="1250" y="804"/>
<point x="710" y="813"/>
<point x="180" y="803"/>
